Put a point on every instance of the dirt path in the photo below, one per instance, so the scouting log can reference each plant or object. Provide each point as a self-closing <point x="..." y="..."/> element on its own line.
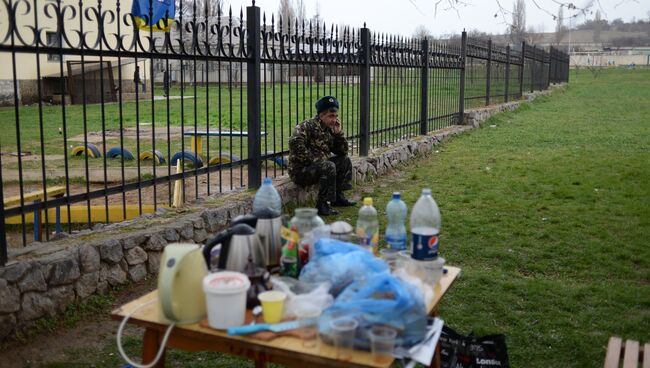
<point x="91" y="334"/>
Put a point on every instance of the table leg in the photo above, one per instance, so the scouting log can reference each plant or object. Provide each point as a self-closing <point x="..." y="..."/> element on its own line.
<point x="150" y="346"/>
<point x="435" y="362"/>
<point x="260" y="364"/>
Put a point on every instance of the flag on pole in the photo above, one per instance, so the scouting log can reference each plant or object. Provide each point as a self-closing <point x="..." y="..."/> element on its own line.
<point x="162" y="15"/>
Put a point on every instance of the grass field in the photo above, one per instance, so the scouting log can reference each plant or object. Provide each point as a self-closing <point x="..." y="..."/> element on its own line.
<point x="548" y="215"/>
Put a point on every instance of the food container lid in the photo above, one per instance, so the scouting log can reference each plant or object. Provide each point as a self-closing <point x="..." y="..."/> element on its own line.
<point x="340" y="228"/>
<point x="225" y="282"/>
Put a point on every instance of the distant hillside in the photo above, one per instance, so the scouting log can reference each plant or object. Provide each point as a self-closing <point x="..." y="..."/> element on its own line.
<point x="585" y="39"/>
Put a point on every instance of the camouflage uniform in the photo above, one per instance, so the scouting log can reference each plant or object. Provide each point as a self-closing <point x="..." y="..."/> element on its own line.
<point x="311" y="162"/>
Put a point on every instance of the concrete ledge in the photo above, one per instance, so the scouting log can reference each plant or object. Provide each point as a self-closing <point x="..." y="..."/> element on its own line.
<point x="43" y="279"/>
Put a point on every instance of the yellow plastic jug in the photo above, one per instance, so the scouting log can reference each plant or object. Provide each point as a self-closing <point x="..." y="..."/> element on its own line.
<point x="182" y="269"/>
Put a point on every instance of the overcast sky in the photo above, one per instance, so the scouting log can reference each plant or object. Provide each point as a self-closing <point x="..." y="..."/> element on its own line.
<point x="403" y="16"/>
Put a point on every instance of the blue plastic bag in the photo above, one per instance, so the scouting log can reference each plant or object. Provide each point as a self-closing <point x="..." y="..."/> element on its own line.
<point x="340" y="264"/>
<point x="379" y="300"/>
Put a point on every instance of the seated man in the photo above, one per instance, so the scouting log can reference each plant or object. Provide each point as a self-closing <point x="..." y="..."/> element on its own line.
<point x="310" y="160"/>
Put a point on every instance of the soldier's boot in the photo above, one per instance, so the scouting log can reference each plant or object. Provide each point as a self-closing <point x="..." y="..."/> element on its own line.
<point x="324" y="209"/>
<point x="341" y="201"/>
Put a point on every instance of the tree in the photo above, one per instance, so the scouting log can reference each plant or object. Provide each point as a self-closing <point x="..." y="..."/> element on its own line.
<point x="301" y="11"/>
<point x="560" y="28"/>
<point x="287" y="13"/>
<point x="517" y="30"/>
<point x="317" y="18"/>
<point x="534" y="35"/>
<point x="422" y="32"/>
<point x="598" y="27"/>
<point x="203" y="8"/>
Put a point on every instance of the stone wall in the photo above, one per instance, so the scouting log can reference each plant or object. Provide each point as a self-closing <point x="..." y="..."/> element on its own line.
<point x="43" y="279"/>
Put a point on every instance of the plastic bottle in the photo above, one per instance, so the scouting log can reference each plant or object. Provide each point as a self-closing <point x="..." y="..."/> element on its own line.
<point x="267" y="197"/>
<point x="289" y="259"/>
<point x="396" y="230"/>
<point x="368" y="226"/>
<point x="425" y="227"/>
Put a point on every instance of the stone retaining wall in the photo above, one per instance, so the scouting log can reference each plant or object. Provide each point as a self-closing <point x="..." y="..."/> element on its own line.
<point x="43" y="279"/>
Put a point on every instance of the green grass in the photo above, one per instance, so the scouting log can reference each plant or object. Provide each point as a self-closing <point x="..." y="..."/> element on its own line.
<point x="547" y="214"/>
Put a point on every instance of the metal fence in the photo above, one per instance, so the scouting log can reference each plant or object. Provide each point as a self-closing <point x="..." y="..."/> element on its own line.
<point x="99" y="112"/>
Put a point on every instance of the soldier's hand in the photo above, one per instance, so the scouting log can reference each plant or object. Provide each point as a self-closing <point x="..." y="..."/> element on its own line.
<point x="337" y="127"/>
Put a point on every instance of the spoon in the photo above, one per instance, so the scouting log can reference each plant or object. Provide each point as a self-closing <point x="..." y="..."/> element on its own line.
<point x="256" y="313"/>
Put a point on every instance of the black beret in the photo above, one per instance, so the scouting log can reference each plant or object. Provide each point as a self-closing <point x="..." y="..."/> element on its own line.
<point x="327" y="103"/>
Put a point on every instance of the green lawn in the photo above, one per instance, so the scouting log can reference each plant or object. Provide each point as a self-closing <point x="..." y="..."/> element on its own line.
<point x="547" y="214"/>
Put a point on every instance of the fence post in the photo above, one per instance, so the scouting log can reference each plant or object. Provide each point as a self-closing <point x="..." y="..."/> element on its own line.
<point x="424" y="88"/>
<point x="461" y="99"/>
<point x="488" y="73"/>
<point x="364" y="93"/>
<point x="253" y="87"/>
<point x="532" y="69"/>
<point x="550" y="66"/>
<point x="521" y="70"/>
<point x="3" y="236"/>
<point x="507" y="91"/>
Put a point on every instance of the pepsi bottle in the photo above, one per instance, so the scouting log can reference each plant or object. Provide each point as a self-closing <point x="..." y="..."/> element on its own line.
<point x="425" y="227"/>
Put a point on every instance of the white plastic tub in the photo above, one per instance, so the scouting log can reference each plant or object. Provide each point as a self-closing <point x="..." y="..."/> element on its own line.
<point x="225" y="297"/>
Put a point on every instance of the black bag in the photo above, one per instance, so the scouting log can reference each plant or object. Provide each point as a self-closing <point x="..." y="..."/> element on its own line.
<point x="458" y="351"/>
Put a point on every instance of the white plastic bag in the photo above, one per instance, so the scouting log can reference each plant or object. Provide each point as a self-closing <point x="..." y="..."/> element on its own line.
<point x="300" y="294"/>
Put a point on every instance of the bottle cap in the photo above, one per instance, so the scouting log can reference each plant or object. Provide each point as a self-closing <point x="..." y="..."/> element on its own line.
<point x="367" y="201"/>
<point x="426" y="191"/>
<point x="267" y="181"/>
<point x="397" y="195"/>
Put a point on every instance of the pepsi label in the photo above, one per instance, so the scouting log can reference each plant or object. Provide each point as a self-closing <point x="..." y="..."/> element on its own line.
<point x="424" y="243"/>
<point x="396" y="242"/>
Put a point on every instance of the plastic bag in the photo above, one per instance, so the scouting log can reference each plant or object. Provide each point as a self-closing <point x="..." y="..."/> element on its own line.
<point x="425" y="290"/>
<point x="379" y="300"/>
<point x="300" y="294"/>
<point x="340" y="264"/>
<point x="458" y="351"/>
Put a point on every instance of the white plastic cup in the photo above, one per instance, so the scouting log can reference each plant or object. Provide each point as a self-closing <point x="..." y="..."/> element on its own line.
<point x="225" y="297"/>
<point x="382" y="343"/>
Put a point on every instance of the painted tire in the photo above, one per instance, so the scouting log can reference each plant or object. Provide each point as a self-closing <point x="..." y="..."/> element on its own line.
<point x="90" y="149"/>
<point x="188" y="156"/>
<point x="117" y="152"/>
<point x="225" y="158"/>
<point x="149" y="155"/>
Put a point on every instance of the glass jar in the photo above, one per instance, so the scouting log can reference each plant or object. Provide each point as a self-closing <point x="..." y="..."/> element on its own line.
<point x="305" y="220"/>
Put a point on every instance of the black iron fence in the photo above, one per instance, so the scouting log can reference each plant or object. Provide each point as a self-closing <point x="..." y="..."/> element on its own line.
<point x="104" y="121"/>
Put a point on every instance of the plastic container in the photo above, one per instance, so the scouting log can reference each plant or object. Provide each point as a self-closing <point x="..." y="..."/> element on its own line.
<point x="368" y="227"/>
<point x="225" y="296"/>
<point x="382" y="343"/>
<point x="343" y="331"/>
<point x="425" y="227"/>
<point x="396" y="231"/>
<point x="429" y="271"/>
<point x="305" y="220"/>
<point x="267" y="197"/>
<point x="272" y="305"/>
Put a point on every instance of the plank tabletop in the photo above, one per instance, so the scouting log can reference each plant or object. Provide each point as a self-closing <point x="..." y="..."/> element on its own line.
<point x="149" y="316"/>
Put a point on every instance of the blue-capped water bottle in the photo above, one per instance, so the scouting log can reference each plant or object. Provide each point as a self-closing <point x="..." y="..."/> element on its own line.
<point x="267" y="198"/>
<point x="425" y="227"/>
<point x="396" y="230"/>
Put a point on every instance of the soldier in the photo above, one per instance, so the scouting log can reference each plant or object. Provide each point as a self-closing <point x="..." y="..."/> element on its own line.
<point x="318" y="153"/>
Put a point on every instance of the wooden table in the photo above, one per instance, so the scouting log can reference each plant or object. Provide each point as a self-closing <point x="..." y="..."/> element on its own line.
<point x="283" y="350"/>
